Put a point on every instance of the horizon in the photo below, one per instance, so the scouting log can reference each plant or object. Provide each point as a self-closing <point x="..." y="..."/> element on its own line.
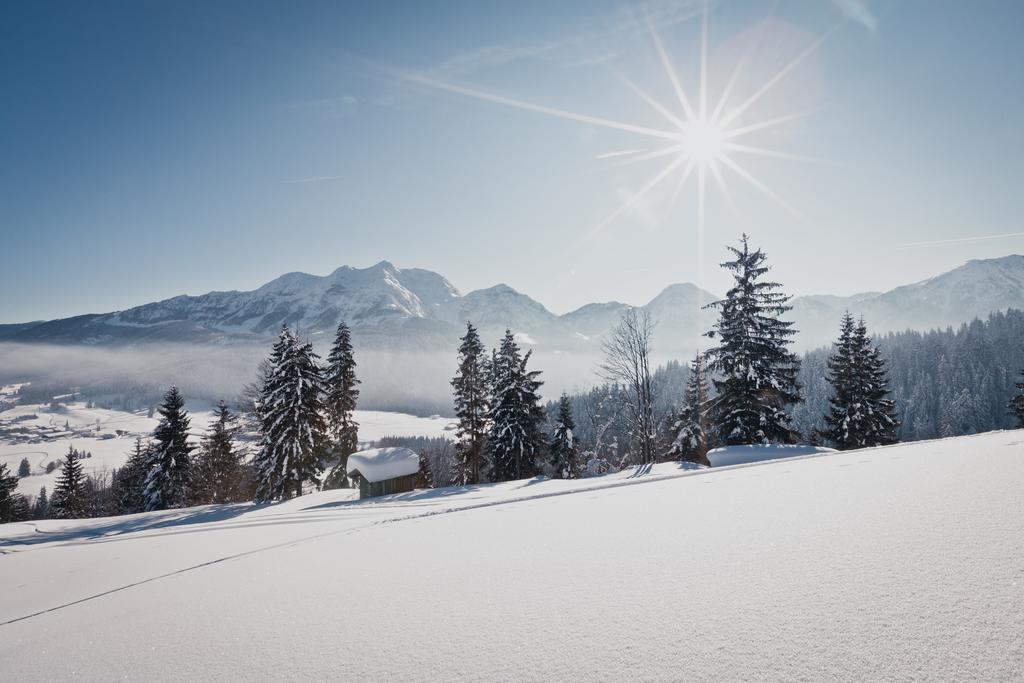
<point x="463" y="292"/>
<point x="218" y="146"/>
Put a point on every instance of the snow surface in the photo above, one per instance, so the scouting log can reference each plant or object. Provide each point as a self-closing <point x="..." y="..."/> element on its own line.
<point x="740" y="455"/>
<point x="378" y="464"/>
<point x="891" y="563"/>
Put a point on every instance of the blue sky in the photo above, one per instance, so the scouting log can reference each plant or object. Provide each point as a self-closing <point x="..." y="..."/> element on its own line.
<point x="149" y="149"/>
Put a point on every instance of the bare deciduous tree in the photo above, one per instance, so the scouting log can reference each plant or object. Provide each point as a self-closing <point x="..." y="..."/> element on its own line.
<point x="627" y="355"/>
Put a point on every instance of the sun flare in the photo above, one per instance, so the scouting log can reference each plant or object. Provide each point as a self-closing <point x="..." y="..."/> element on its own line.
<point x="702" y="140"/>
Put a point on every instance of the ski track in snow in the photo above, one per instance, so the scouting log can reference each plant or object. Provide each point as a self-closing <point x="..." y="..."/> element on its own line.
<point x="899" y="562"/>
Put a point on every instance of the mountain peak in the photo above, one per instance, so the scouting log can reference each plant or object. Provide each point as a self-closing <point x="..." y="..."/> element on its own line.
<point x="682" y="292"/>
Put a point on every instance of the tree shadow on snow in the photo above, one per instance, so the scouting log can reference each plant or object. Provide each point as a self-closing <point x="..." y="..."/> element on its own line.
<point x="127" y="524"/>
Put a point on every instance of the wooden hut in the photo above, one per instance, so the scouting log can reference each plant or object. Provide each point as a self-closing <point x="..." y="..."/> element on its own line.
<point x="381" y="471"/>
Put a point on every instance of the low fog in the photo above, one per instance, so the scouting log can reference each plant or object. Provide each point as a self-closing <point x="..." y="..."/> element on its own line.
<point x="136" y="376"/>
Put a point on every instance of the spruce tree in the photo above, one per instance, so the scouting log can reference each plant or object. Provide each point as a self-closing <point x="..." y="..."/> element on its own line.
<point x="691" y="429"/>
<point x="340" y="395"/>
<point x="860" y="416"/>
<point x="130" y="480"/>
<point x="756" y="372"/>
<point x="8" y="495"/>
<point x="425" y="476"/>
<point x="69" y="495"/>
<point x="293" y="433"/>
<point x="41" y="508"/>
<point x="219" y="463"/>
<point x="169" y="466"/>
<point x="563" y="449"/>
<point x="1017" y="402"/>
<point x="24" y="469"/>
<point x="21" y="510"/>
<point x="471" y="390"/>
<point x="514" y="440"/>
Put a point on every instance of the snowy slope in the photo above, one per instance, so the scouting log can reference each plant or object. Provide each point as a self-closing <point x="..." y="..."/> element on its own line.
<point x="893" y="563"/>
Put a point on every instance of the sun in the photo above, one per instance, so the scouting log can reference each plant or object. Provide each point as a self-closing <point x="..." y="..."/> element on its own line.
<point x="703" y="141"/>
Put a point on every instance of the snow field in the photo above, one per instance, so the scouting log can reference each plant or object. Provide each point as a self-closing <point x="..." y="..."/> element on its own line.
<point x="899" y="562"/>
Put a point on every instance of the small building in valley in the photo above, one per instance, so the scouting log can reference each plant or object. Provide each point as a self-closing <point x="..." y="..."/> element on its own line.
<point x="381" y="471"/>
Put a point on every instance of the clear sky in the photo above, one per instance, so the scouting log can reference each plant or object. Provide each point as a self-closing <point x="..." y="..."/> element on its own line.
<point x="149" y="149"/>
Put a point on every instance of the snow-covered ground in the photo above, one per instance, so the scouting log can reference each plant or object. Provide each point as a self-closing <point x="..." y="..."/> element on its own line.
<point x="109" y="435"/>
<point x="892" y="563"/>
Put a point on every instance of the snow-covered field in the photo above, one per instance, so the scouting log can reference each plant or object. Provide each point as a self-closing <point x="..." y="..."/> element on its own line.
<point x="109" y="435"/>
<point x="893" y="563"/>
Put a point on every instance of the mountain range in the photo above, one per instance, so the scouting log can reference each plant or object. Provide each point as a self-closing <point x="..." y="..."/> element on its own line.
<point x="394" y="308"/>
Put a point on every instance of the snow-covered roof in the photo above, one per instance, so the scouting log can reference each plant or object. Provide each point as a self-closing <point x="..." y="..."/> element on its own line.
<point x="740" y="455"/>
<point x="379" y="464"/>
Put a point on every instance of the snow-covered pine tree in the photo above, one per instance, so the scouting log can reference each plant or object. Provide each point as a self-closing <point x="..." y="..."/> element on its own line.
<point x="169" y="466"/>
<point x="691" y="425"/>
<point x="130" y="480"/>
<point x="1016" y="405"/>
<point x="514" y="440"/>
<point x="471" y="388"/>
<point x="756" y="371"/>
<point x="69" y="495"/>
<point x="219" y="463"/>
<point x="340" y="395"/>
<point x="293" y="433"/>
<point x="860" y="415"/>
<point x="8" y="493"/>
<point x="564" y="449"/>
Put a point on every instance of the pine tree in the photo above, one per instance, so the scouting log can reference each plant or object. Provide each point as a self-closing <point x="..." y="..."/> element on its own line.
<point x="514" y="440"/>
<point x="169" y="468"/>
<point x="219" y="463"/>
<point x="564" y="449"/>
<point x="340" y="401"/>
<point x="24" y="469"/>
<point x="471" y="389"/>
<point x="757" y="371"/>
<point x="69" y="495"/>
<point x="8" y="495"/>
<point x="425" y="476"/>
<point x="691" y="429"/>
<point x="130" y="480"/>
<point x="41" y="508"/>
<point x="21" y="510"/>
<point x="293" y="433"/>
<point x="1017" y="402"/>
<point x="860" y="416"/>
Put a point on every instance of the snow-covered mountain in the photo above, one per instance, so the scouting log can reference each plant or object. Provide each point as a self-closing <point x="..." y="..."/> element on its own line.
<point x="973" y="290"/>
<point x="390" y="307"/>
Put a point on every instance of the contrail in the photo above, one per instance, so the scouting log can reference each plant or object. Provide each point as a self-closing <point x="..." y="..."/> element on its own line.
<point x="957" y="240"/>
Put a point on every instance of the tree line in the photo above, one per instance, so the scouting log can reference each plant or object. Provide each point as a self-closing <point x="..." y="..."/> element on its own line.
<point x="748" y="387"/>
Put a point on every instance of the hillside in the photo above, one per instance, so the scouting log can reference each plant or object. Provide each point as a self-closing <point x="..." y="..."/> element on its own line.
<point x="43" y="435"/>
<point x="891" y="563"/>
